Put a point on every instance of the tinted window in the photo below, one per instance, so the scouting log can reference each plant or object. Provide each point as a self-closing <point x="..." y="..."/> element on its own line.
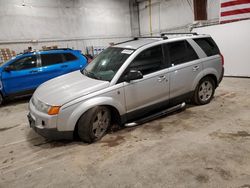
<point x="69" y="57"/>
<point x="28" y="62"/>
<point x="208" y="46"/>
<point x="51" y="59"/>
<point x="181" y="52"/>
<point x="148" y="61"/>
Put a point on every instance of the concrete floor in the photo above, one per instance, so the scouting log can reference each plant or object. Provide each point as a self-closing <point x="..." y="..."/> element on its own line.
<point x="203" y="146"/>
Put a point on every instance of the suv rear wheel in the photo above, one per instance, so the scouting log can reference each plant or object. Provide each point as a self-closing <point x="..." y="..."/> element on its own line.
<point x="204" y="91"/>
<point x="93" y="124"/>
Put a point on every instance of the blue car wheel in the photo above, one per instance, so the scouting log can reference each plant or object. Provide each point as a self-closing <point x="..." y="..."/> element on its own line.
<point x="1" y="99"/>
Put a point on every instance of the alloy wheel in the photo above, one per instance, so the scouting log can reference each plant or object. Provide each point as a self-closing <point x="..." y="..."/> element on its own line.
<point x="101" y="123"/>
<point x="205" y="91"/>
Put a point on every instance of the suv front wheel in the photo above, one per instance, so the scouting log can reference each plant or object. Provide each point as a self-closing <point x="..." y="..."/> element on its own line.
<point x="204" y="91"/>
<point x="93" y="124"/>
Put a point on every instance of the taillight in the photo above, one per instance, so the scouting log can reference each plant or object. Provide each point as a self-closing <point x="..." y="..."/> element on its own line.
<point x="222" y="59"/>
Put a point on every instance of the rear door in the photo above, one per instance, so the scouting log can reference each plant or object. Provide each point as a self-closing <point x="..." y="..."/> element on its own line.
<point x="23" y="75"/>
<point x="71" y="63"/>
<point x="149" y="92"/>
<point x="52" y="65"/>
<point x="184" y="67"/>
<point x="212" y="60"/>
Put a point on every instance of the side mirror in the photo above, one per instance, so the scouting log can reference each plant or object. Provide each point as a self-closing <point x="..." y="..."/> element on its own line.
<point x="133" y="75"/>
<point x="7" y="69"/>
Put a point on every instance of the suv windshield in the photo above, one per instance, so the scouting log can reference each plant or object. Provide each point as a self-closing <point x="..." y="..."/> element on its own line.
<point x="107" y="63"/>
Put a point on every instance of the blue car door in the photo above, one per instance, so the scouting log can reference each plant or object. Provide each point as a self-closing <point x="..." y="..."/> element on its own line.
<point x="21" y="75"/>
<point x="72" y="63"/>
<point x="56" y="64"/>
<point x="52" y="66"/>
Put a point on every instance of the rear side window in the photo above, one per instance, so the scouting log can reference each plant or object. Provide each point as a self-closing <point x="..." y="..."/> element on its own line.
<point x="208" y="46"/>
<point x="51" y="59"/>
<point x="181" y="52"/>
<point x="69" y="57"/>
<point x="148" y="61"/>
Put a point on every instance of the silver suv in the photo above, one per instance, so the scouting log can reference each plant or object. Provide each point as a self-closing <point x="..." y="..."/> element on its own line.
<point x="126" y="84"/>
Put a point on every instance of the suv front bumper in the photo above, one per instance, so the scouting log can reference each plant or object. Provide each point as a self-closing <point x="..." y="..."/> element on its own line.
<point x="53" y="133"/>
<point x="46" y="125"/>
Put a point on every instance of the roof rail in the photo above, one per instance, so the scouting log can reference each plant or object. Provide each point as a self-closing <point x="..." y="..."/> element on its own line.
<point x="149" y="37"/>
<point x="190" y="33"/>
<point x="29" y="52"/>
<point x="137" y="38"/>
<point x="57" y="49"/>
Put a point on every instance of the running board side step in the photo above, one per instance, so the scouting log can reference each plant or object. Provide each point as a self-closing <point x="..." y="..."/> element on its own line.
<point x="156" y="115"/>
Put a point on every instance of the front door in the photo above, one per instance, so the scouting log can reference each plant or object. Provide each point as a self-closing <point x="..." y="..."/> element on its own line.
<point x="22" y="75"/>
<point x="153" y="89"/>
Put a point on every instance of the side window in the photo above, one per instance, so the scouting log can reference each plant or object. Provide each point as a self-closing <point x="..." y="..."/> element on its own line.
<point x="148" y="61"/>
<point x="28" y="62"/>
<point x="69" y="57"/>
<point x="181" y="52"/>
<point x="51" y="59"/>
<point x="208" y="46"/>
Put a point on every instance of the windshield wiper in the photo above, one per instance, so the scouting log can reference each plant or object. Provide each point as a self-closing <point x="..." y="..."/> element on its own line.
<point x="90" y="74"/>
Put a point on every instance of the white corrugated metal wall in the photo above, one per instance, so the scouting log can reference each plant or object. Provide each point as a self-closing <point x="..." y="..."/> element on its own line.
<point x="66" y="23"/>
<point x="233" y="40"/>
<point x="172" y="15"/>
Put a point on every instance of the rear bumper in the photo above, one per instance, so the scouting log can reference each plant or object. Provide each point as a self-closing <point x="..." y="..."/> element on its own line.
<point x="221" y="76"/>
<point x="52" y="134"/>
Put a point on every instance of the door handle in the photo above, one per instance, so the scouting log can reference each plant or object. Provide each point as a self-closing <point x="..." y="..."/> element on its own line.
<point x="34" y="71"/>
<point x="161" y="78"/>
<point x="195" y="68"/>
<point x="64" y="66"/>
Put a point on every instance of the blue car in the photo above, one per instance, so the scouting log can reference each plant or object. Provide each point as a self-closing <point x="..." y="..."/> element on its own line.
<point x="21" y="75"/>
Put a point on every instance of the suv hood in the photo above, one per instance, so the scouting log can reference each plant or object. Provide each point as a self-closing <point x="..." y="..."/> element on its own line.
<point x="63" y="89"/>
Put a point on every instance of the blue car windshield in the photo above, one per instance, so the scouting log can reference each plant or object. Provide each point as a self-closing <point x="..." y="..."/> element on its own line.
<point x="3" y="63"/>
<point x="107" y="63"/>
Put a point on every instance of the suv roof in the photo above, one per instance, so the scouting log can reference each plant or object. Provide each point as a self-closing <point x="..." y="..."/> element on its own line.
<point x="58" y="50"/>
<point x="138" y="42"/>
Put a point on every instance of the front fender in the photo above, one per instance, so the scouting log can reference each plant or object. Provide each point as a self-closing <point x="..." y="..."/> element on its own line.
<point x="69" y="116"/>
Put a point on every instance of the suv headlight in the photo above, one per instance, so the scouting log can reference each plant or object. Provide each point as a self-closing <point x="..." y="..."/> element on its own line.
<point x="45" y="108"/>
<point x="42" y="107"/>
